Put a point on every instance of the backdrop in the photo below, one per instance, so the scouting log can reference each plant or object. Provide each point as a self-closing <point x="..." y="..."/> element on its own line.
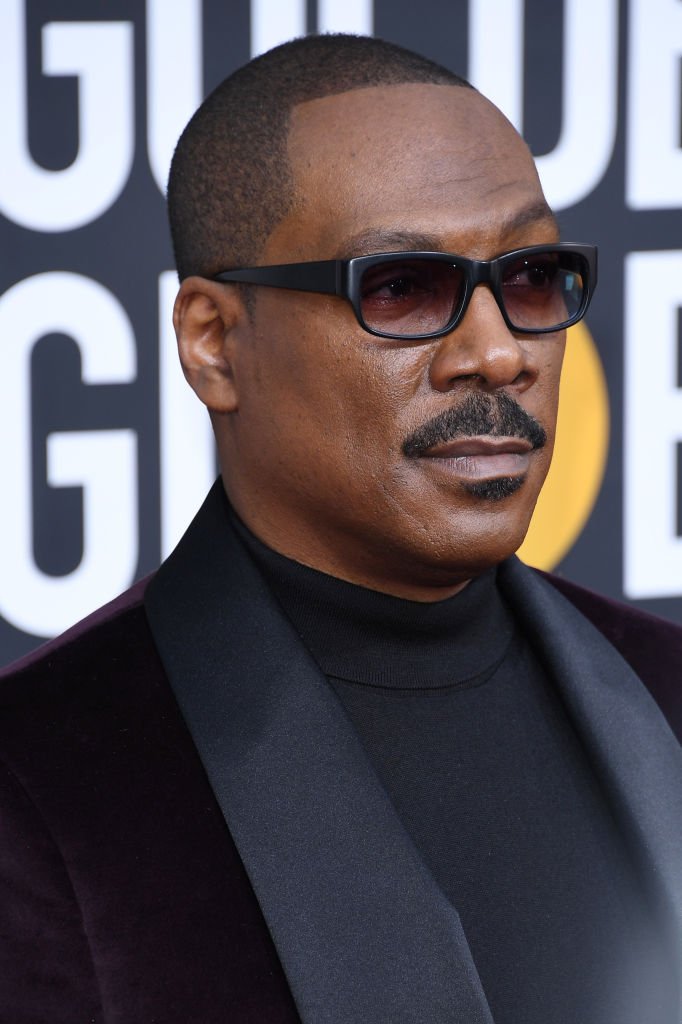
<point x="105" y="454"/>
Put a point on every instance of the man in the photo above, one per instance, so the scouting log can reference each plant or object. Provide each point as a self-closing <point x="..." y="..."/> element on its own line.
<point x="344" y="759"/>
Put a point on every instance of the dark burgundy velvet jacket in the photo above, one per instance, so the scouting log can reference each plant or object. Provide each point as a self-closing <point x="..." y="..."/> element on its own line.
<point x="124" y="895"/>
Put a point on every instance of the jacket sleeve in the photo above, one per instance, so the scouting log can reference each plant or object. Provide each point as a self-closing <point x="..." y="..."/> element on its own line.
<point x="46" y="972"/>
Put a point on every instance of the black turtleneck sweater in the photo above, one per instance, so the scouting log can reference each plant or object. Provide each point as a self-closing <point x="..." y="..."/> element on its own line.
<point x="491" y="781"/>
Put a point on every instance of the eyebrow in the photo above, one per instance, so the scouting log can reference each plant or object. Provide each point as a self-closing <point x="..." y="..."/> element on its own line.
<point x="384" y="240"/>
<point x="532" y="214"/>
<point x="396" y="240"/>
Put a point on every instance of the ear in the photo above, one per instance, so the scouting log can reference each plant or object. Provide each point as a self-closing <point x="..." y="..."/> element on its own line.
<point x="207" y="317"/>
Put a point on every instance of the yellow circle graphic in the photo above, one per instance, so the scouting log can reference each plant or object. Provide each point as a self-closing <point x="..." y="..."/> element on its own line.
<point x="579" y="460"/>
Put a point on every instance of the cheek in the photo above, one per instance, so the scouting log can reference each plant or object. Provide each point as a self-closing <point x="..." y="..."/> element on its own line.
<point x="546" y="387"/>
<point x="340" y="388"/>
<point x="376" y="401"/>
<point x="545" y="409"/>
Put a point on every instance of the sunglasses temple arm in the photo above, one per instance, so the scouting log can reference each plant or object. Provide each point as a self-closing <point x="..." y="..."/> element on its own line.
<point x="322" y="277"/>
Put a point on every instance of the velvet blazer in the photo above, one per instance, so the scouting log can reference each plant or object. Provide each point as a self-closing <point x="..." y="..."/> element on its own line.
<point x="190" y="832"/>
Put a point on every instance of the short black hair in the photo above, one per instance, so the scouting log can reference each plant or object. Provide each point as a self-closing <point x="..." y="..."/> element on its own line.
<point x="230" y="182"/>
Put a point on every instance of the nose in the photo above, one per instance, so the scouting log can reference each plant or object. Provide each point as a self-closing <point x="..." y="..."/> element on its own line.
<point x="482" y="348"/>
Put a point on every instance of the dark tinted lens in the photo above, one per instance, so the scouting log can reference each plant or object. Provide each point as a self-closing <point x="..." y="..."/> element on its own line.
<point x="544" y="290"/>
<point x="410" y="297"/>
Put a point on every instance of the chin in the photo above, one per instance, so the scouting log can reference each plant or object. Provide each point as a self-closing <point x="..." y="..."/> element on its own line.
<point x="495" y="490"/>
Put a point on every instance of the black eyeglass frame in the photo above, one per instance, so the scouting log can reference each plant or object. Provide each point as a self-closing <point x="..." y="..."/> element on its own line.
<point x="343" y="278"/>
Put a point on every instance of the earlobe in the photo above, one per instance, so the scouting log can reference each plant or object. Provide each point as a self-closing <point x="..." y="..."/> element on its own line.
<point x="206" y="317"/>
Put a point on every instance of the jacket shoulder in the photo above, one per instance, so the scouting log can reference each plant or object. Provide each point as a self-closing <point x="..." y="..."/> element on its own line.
<point x="652" y="646"/>
<point x="86" y="654"/>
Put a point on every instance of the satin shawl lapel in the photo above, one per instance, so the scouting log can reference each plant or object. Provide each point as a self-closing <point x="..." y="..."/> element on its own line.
<point x="632" y="747"/>
<point x="361" y="928"/>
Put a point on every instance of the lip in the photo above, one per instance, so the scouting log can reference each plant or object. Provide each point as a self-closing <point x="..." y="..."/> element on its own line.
<point x="482" y="458"/>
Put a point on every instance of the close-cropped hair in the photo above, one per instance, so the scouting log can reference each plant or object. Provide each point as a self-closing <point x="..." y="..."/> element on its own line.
<point x="230" y="181"/>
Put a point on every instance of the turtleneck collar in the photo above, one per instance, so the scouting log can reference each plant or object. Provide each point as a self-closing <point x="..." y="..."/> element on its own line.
<point x="372" y="638"/>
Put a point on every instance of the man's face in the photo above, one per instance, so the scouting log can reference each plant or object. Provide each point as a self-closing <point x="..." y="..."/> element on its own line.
<point x="324" y="457"/>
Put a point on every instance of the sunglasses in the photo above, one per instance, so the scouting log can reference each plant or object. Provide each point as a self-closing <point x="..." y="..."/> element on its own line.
<point x="418" y="295"/>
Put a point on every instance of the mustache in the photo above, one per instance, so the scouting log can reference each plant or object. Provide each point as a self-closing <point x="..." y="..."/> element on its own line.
<point x="496" y="415"/>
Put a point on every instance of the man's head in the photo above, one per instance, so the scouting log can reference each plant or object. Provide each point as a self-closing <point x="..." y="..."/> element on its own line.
<point x="406" y="466"/>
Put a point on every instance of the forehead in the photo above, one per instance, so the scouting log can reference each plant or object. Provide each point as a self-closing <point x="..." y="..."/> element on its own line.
<point x="436" y="161"/>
